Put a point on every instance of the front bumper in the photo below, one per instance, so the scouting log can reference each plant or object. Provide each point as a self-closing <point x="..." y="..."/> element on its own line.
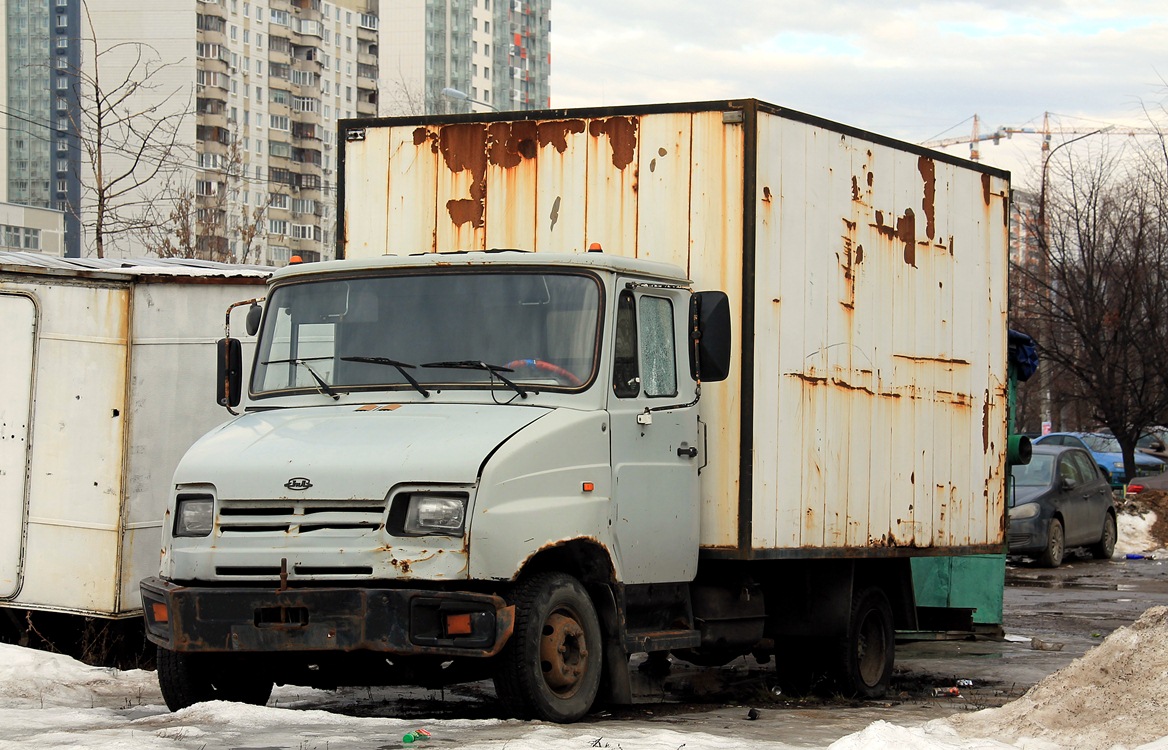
<point x="395" y="621"/>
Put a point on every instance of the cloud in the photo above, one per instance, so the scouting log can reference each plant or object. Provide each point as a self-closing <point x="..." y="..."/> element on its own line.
<point x="905" y="69"/>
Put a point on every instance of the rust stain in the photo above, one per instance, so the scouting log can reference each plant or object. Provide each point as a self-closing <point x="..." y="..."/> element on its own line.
<point x="842" y="384"/>
<point x="421" y="135"/>
<point x="985" y="188"/>
<point x="766" y="194"/>
<point x="555" y="133"/>
<point x="859" y="254"/>
<point x="928" y="170"/>
<point x="622" y="138"/>
<point x="985" y="422"/>
<point x="855" y="188"/>
<point x="942" y="360"/>
<point x="509" y="143"/>
<point x="871" y="179"/>
<point x="906" y="231"/>
<point x="463" y="148"/>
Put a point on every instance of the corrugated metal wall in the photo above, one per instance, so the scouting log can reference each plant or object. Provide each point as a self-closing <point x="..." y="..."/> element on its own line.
<point x="879" y="313"/>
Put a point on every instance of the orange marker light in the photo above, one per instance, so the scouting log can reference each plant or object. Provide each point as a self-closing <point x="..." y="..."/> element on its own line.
<point x="458" y="624"/>
<point x="158" y="609"/>
<point x="595" y="248"/>
<point x="588" y="486"/>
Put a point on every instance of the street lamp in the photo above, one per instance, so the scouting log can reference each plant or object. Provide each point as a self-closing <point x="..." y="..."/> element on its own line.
<point x="1045" y="240"/>
<point x="462" y="96"/>
<point x="1042" y="184"/>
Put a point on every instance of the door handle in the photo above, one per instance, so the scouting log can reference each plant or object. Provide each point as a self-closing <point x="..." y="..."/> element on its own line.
<point x="687" y="451"/>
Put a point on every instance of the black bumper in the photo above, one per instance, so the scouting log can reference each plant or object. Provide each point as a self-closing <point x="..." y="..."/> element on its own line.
<point x="395" y="621"/>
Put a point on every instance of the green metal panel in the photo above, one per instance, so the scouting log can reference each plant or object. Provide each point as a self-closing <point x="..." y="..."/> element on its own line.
<point x="974" y="581"/>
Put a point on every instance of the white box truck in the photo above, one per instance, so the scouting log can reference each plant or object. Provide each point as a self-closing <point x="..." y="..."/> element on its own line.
<point x="698" y="379"/>
<point x="103" y="364"/>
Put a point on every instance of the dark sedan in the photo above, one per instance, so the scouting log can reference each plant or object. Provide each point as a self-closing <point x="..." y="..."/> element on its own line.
<point x="1058" y="501"/>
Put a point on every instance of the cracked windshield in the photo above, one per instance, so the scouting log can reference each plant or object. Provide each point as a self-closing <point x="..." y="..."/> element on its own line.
<point x="470" y="330"/>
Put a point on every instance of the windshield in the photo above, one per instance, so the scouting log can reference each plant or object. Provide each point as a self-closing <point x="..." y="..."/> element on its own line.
<point x="1102" y="443"/>
<point x="481" y="329"/>
<point x="1037" y="473"/>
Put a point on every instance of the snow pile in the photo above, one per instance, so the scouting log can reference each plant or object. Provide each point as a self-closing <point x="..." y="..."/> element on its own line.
<point x="1111" y="697"/>
<point x="1143" y="525"/>
<point x="36" y="679"/>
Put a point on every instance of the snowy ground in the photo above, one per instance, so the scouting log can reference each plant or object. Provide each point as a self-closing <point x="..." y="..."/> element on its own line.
<point x="53" y="701"/>
<point x="1109" y="699"/>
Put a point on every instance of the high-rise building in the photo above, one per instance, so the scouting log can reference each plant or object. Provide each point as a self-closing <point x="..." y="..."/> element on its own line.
<point x="222" y="142"/>
<point x="40" y="150"/>
<point x="274" y="76"/>
<point x="442" y="56"/>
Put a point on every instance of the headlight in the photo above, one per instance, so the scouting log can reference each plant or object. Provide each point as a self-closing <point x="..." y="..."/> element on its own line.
<point x="1022" y="512"/>
<point x="435" y="514"/>
<point x="194" y="515"/>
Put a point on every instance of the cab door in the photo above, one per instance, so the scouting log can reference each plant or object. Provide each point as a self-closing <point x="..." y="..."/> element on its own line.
<point x="654" y="437"/>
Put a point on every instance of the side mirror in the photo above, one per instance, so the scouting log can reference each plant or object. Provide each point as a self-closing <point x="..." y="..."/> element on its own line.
<point x="1019" y="450"/>
<point x="254" y="313"/>
<point x="1067" y="484"/>
<point x="709" y="315"/>
<point x="229" y="372"/>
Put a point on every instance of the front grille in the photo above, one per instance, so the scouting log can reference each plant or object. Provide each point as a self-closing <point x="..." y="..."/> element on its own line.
<point x="299" y="517"/>
<point x="1149" y="471"/>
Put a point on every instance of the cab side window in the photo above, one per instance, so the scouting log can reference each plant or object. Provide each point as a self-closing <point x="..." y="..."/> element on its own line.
<point x="658" y="349"/>
<point x="626" y="376"/>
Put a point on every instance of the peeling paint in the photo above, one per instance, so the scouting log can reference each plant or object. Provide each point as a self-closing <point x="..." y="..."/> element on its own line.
<point x="928" y="170"/>
<point x="622" y="138"/>
<point x="985" y="188"/>
<point x="461" y="146"/>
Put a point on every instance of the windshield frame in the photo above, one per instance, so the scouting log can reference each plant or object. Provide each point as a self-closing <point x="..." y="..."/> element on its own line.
<point x="488" y="383"/>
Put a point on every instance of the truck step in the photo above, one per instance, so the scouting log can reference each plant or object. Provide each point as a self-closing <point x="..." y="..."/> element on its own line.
<point x="639" y="641"/>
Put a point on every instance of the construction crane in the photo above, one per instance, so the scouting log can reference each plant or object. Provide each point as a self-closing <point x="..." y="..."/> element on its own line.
<point x="976" y="137"/>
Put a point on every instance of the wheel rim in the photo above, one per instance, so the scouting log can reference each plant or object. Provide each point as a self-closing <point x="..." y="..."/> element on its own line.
<point x="1056" y="542"/>
<point x="871" y="649"/>
<point x="563" y="653"/>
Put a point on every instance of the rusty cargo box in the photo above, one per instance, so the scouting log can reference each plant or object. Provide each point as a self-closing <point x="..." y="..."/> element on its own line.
<point x="866" y="411"/>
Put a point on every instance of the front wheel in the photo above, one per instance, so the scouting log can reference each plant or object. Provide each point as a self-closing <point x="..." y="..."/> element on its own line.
<point x="187" y="679"/>
<point x="550" y="669"/>
<point x="1052" y="556"/>
<point x="869" y="649"/>
<point x="1105" y="547"/>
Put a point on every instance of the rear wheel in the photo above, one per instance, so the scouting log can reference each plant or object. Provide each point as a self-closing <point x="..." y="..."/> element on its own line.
<point x="1052" y="556"/>
<point x="1105" y="548"/>
<point x="550" y="669"/>
<point x="187" y="679"/>
<point x="869" y="649"/>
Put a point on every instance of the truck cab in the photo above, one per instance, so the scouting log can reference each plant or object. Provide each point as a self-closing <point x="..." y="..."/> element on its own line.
<point x="445" y="466"/>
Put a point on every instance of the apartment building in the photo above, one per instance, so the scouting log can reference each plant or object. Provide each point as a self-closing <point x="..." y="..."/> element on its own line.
<point x="445" y="56"/>
<point x="273" y="78"/>
<point x="40" y="151"/>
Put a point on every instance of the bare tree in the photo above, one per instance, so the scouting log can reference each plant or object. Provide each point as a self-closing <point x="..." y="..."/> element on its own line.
<point x="208" y="217"/>
<point x="130" y="128"/>
<point x="1097" y="299"/>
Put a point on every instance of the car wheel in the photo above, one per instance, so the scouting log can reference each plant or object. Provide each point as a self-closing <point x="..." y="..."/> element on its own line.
<point x="1052" y="556"/>
<point x="550" y="668"/>
<point x="1105" y="548"/>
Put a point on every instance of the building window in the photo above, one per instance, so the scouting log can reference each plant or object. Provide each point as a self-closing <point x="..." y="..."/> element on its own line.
<point x="278" y="226"/>
<point x="278" y="122"/>
<point x="277" y="200"/>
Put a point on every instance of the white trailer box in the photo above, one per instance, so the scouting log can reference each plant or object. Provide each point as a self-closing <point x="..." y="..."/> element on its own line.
<point x="865" y="414"/>
<point x="106" y="380"/>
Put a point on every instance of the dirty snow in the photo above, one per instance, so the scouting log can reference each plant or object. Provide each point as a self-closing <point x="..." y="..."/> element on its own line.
<point x="1110" y="699"/>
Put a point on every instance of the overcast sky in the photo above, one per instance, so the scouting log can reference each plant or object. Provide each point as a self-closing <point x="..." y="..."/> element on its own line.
<point x="911" y="70"/>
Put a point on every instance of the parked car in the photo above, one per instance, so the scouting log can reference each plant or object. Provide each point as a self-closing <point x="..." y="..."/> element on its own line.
<point x="1058" y="501"/>
<point x="1154" y="443"/>
<point x="1159" y="483"/>
<point x="1107" y="453"/>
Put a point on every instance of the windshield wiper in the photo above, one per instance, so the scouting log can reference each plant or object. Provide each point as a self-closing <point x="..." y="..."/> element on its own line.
<point x="322" y="386"/>
<point x="496" y="371"/>
<point x="401" y="368"/>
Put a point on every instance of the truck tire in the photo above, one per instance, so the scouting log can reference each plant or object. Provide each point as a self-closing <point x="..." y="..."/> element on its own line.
<point x="184" y="681"/>
<point x="1052" y="556"/>
<point x="1105" y="547"/>
<point x="187" y="679"/>
<point x="869" y="649"/>
<point x="550" y="669"/>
